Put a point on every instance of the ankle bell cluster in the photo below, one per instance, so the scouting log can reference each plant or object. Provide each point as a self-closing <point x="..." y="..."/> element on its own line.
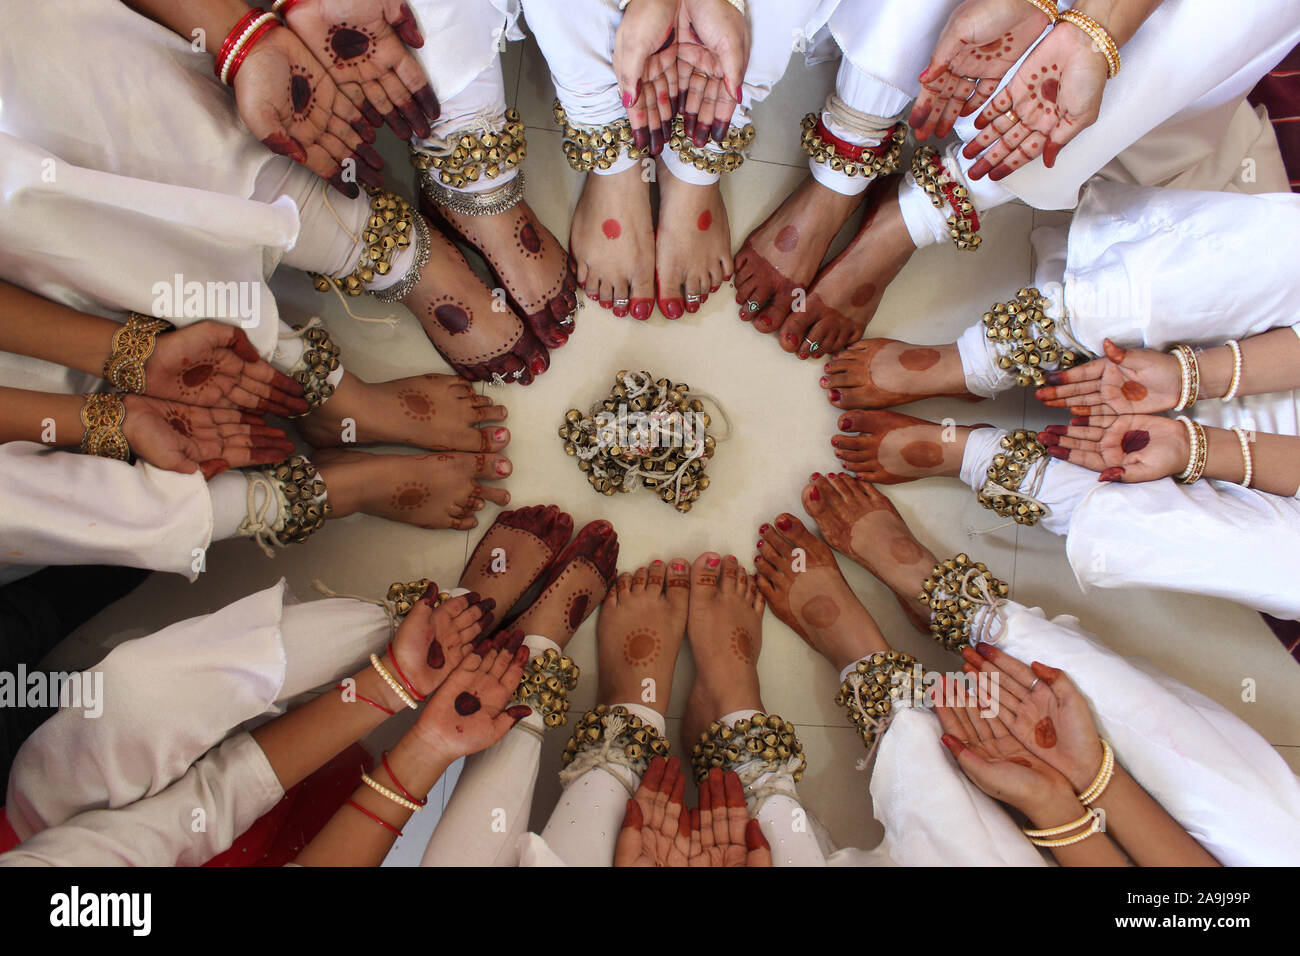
<point x="319" y="359"/>
<point x="596" y="147"/>
<point x="956" y="592"/>
<point x="714" y="156"/>
<point x="607" y="735"/>
<point x="388" y="231"/>
<point x="1001" y="493"/>
<point x="870" y="691"/>
<point x="475" y="155"/>
<point x="964" y="223"/>
<point x="764" y="738"/>
<point x="300" y="496"/>
<point x="1027" y="340"/>
<point x="403" y="595"/>
<point x="842" y="157"/>
<point x="545" y="686"/>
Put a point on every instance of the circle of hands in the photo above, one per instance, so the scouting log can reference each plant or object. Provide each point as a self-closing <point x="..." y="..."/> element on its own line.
<point x="680" y="57"/>
<point x="1116" y="429"/>
<point x="1021" y="746"/>
<point x="206" y="391"/>
<point x="316" y="91"/>
<point x="465" y="673"/>
<point x="659" y="830"/>
<point x="1052" y="97"/>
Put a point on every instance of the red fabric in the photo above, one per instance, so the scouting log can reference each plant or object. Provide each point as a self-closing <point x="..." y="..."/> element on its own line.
<point x="8" y="839"/>
<point x="1279" y="91"/>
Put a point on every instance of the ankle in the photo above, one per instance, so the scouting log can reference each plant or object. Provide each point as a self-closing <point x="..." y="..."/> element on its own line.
<point x="344" y="487"/>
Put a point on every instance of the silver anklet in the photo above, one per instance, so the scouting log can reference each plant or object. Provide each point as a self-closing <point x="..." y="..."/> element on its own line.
<point x="489" y="202"/>
<point x="412" y="278"/>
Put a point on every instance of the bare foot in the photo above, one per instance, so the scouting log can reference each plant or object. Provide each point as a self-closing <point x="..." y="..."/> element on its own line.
<point x="862" y="524"/>
<point x="725" y="625"/>
<point x="515" y="552"/>
<point x="692" y="246"/>
<point x="639" y="633"/>
<point x="890" y="448"/>
<point x="527" y="261"/>
<point x="846" y="294"/>
<point x="613" y="242"/>
<point x="576" y="583"/>
<point x="438" y="490"/>
<point x="456" y="310"/>
<point x="785" y="252"/>
<point x="803" y="585"/>
<point x="438" y="412"/>
<point x="882" y="373"/>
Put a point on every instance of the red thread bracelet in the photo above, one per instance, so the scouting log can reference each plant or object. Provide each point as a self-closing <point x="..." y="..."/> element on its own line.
<point x="374" y="816"/>
<point x="397" y="667"/>
<point x="372" y="703"/>
<point x="851" y="151"/>
<point x="383" y="758"/>
<point x="244" y="23"/>
<point x="238" y="61"/>
<point x="949" y="189"/>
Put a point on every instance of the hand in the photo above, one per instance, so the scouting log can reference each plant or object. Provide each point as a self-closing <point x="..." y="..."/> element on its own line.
<point x="712" y="56"/>
<point x="365" y="46"/>
<point x="982" y="40"/>
<point x="1052" y="721"/>
<point x="431" y="642"/>
<point x="722" y="834"/>
<point x="468" y="712"/>
<point x="1054" y="96"/>
<point x="645" y="61"/>
<point x="215" y="366"/>
<point x="657" y="828"/>
<point x="186" y="438"/>
<point x="996" y="761"/>
<point x="291" y="104"/>
<point x="1123" y="382"/>
<point x="1127" y="448"/>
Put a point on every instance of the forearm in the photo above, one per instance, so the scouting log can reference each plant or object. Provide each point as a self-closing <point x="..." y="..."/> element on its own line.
<point x="49" y="418"/>
<point x="1275" y="460"/>
<point x="351" y="838"/>
<point x="1148" y="834"/>
<point x="215" y="17"/>
<point x="1269" y="363"/>
<point x="1121" y="18"/>
<point x="1097" y="850"/>
<point x="38" y="328"/>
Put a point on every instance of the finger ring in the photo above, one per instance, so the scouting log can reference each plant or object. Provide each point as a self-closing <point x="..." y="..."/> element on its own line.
<point x="1011" y="115"/>
<point x="620" y="303"/>
<point x="752" y="306"/>
<point x="812" y="346"/>
<point x="692" y="299"/>
<point x="971" y="79"/>
<point x="1034" y="684"/>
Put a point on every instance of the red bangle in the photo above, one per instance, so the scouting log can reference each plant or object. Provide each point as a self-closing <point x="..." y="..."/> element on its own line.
<point x="393" y="657"/>
<point x="850" y="151"/>
<point x="383" y="758"/>
<point x="372" y="703"/>
<point x="283" y="7"/>
<point x="244" y="23"/>
<point x="374" y="816"/>
<point x="262" y="31"/>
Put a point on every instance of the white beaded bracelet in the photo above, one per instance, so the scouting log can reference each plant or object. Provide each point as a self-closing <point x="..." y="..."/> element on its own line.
<point x="1236" y="371"/>
<point x="239" y="44"/>
<point x="391" y="681"/>
<point x="1247" y="455"/>
<point x="383" y="791"/>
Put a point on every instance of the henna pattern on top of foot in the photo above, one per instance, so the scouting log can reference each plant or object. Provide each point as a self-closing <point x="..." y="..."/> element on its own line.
<point x="641" y="646"/>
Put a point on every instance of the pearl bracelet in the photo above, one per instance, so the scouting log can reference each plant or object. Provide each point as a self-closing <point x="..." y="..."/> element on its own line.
<point x="234" y="55"/>
<point x="1039" y="837"/>
<point x="1198" y="454"/>
<point x="1102" y="780"/>
<point x="383" y="791"/>
<point x="391" y="681"/>
<point x="1235" y="383"/>
<point x="1246" y="455"/>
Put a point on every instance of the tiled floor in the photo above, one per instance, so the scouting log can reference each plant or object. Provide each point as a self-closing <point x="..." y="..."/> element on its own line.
<point x="782" y="426"/>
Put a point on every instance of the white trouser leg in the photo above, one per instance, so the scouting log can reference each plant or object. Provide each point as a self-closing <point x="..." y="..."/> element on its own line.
<point x="488" y="811"/>
<point x="479" y="107"/>
<point x="1215" y="775"/>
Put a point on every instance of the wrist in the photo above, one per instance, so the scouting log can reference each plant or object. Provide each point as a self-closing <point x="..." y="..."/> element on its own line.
<point x="1053" y="809"/>
<point x="1223" y="459"/>
<point x="416" y="765"/>
<point x="1078" y="38"/>
<point x="1081" y="778"/>
<point x="1216" y="372"/>
<point x="370" y="684"/>
<point x="216" y="18"/>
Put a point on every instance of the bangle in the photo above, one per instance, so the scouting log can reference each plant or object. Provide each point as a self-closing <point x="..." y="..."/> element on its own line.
<point x="1101" y="38"/>
<point x="409" y="686"/>
<point x="1190" y="370"/>
<point x="1198" y="453"/>
<point x="1044" y="837"/>
<point x="738" y="4"/>
<point x="133" y="343"/>
<point x="282" y="7"/>
<point x="102" y="415"/>
<point x="234" y="59"/>
<point x="237" y="32"/>
<point x="402" y="695"/>
<point x="383" y="791"/>
<point x="374" y="816"/>
<point x="1246" y="455"/>
<point x="372" y="703"/>
<point x="1235" y="383"/>
<point x="1102" y="780"/>
<point x="383" y="758"/>
<point x="1048" y="7"/>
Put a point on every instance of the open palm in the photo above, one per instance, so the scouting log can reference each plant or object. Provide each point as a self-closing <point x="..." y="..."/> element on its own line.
<point x="188" y="438"/>
<point x="1128" y="448"/>
<point x="1124" y="381"/>
<point x="214" y="365"/>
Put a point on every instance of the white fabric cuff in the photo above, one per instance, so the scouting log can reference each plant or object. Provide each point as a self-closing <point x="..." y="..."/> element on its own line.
<point x="622" y="164"/>
<point x="926" y="224"/>
<point x="686" y="172"/>
<point x="838" y="181"/>
<point x="229" y="493"/>
<point x="981" y="446"/>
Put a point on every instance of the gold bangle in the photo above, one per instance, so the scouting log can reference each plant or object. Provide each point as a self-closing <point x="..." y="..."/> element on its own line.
<point x="738" y="4"/>
<point x="133" y="343"/>
<point x="1047" y="7"/>
<point x="383" y="791"/>
<point x="391" y="681"/>
<point x="1247" y="456"/>
<point x="1095" y="827"/>
<point x="1102" y="780"/>
<point x="1100" y="36"/>
<point x="1063" y="828"/>
<point x="102" y="415"/>
<point x="1190" y="370"/>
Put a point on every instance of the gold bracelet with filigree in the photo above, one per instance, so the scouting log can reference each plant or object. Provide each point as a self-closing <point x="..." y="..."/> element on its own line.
<point x="1001" y="492"/>
<point x="713" y="157"/>
<point x="614" y="728"/>
<point x="1048" y="8"/>
<point x="596" y="147"/>
<point x="1101" y="39"/>
<point x="133" y="343"/>
<point x="389" y="229"/>
<point x="476" y="155"/>
<point x="1027" y="341"/>
<point x="871" y="689"/>
<point x="102" y="415"/>
<point x="953" y="592"/>
<point x="762" y="737"/>
<point x="944" y="193"/>
<point x="545" y="686"/>
<point x="849" y="159"/>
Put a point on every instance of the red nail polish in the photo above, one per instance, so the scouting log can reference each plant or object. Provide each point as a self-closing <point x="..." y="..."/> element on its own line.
<point x="823" y="381"/>
<point x="816" y="475"/>
<point x="500" y="435"/>
<point x="836" y="395"/>
<point x="784" y="524"/>
<point x="713" y="562"/>
<point x="503" y="468"/>
<point x="814" y="494"/>
<point x="835" y="441"/>
<point x="764" y="529"/>
<point x="845" y="423"/>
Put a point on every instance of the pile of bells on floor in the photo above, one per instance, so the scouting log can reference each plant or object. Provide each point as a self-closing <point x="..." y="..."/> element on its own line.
<point x="647" y="432"/>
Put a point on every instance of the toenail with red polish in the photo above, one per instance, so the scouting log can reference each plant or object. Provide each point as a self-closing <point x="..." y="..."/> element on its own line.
<point x="814" y="495"/>
<point x="713" y="562"/>
<point x="679" y="565"/>
<point x="500" y="435"/>
<point x="537" y="366"/>
<point x="764" y="529"/>
<point x="835" y="441"/>
<point x="503" y="468"/>
<point x="823" y="381"/>
<point x="846" y="423"/>
<point x="784" y="524"/>
<point x="836" y="394"/>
